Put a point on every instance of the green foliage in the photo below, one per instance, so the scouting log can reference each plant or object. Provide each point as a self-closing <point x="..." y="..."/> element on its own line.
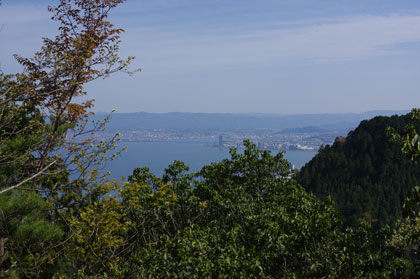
<point x="370" y="179"/>
<point x="409" y="139"/>
<point x="406" y="239"/>
<point x="44" y="142"/>
<point x="411" y="204"/>
<point x="21" y="132"/>
<point x="366" y="174"/>
<point x="409" y="142"/>
<point x="407" y="233"/>
<point x="27" y="236"/>
<point x="242" y="218"/>
<point x="97" y="236"/>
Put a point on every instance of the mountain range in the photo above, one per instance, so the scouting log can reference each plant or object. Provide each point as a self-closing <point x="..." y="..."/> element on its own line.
<point x="228" y="121"/>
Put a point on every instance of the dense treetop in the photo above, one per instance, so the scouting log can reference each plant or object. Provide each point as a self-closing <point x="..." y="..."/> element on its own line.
<point x="367" y="175"/>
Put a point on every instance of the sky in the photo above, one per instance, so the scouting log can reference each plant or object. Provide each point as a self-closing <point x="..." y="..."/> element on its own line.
<point x="246" y="56"/>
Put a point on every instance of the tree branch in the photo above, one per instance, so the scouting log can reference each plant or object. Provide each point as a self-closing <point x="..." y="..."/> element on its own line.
<point x="27" y="179"/>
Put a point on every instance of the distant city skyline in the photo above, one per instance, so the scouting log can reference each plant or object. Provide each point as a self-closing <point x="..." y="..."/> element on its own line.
<point x="247" y="56"/>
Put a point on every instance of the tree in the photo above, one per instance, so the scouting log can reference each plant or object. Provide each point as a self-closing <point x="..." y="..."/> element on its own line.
<point x="407" y="233"/>
<point x="366" y="174"/>
<point x="242" y="218"/>
<point x="44" y="138"/>
<point x="409" y="139"/>
<point x="39" y="112"/>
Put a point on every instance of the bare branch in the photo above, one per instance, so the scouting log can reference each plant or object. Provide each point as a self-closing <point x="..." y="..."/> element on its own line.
<point x="27" y="179"/>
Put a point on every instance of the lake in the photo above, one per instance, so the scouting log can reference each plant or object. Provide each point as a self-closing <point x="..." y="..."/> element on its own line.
<point x="194" y="153"/>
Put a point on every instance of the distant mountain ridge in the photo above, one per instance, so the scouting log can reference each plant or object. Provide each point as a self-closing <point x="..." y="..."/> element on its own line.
<point x="228" y="121"/>
<point x="303" y="130"/>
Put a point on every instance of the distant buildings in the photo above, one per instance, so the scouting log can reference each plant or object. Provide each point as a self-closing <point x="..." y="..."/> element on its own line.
<point x="269" y="140"/>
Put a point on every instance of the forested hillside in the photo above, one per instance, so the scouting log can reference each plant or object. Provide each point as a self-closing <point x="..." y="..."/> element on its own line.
<point x="365" y="173"/>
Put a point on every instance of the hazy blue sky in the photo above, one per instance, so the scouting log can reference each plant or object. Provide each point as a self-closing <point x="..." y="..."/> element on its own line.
<point x="274" y="56"/>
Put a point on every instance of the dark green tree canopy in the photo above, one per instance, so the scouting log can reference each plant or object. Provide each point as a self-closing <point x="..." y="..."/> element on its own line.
<point x="365" y="173"/>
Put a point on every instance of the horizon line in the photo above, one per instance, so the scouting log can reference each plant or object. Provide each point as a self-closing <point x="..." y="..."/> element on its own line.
<point x="257" y="113"/>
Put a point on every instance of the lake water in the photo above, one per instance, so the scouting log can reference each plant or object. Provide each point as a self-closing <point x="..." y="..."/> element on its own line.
<point x="194" y="153"/>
